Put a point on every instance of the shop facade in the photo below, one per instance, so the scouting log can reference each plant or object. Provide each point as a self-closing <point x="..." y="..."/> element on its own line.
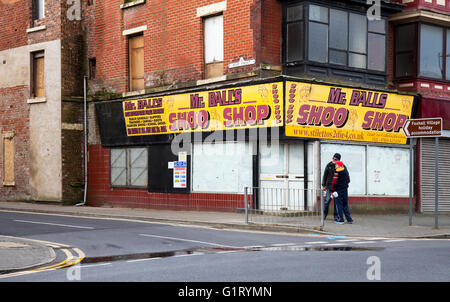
<point x="199" y="149"/>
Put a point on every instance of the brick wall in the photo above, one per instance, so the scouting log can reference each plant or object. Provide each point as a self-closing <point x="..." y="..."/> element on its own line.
<point x="15" y="118"/>
<point x="52" y="22"/>
<point x="271" y="33"/>
<point x="14" y="22"/>
<point x="72" y="52"/>
<point x="73" y="66"/>
<point x="72" y="140"/>
<point x="14" y="19"/>
<point x="174" y="39"/>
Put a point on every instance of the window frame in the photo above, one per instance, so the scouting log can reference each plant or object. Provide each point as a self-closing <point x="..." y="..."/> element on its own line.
<point x="419" y="46"/>
<point x="8" y="174"/>
<point x="35" y="56"/>
<point x="130" y="76"/>
<point x="414" y="51"/>
<point x="92" y="68"/>
<point x="38" y="8"/>
<point x="306" y="27"/>
<point x="417" y="53"/>
<point x="219" y="65"/>
<point x="128" y="167"/>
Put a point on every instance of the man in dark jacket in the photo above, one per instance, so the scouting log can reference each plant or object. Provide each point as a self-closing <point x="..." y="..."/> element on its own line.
<point x="326" y="185"/>
<point x="340" y="188"/>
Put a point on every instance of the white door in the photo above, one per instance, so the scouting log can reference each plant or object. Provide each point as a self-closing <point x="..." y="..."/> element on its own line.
<point x="282" y="177"/>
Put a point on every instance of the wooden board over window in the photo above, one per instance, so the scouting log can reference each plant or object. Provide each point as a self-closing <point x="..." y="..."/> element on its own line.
<point x="38" y="75"/>
<point x="8" y="160"/>
<point x="136" y="54"/>
<point x="213" y="46"/>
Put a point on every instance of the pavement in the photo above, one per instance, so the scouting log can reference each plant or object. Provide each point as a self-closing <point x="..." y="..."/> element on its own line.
<point x="20" y="253"/>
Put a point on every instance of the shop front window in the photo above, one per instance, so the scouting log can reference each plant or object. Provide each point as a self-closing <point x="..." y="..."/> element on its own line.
<point x="129" y="167"/>
<point x="374" y="170"/>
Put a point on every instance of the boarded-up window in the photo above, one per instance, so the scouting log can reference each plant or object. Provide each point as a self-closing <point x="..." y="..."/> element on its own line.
<point x="38" y="75"/>
<point x="136" y="63"/>
<point x="213" y="39"/>
<point x="8" y="160"/>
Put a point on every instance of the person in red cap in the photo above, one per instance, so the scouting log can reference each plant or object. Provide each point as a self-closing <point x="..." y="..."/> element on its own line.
<point x="339" y="187"/>
<point x="327" y="180"/>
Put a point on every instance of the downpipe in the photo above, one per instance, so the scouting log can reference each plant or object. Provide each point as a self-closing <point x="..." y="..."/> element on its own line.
<point x="85" y="144"/>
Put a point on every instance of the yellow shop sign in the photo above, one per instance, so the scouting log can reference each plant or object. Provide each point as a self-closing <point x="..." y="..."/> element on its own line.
<point x="330" y="112"/>
<point x="225" y="109"/>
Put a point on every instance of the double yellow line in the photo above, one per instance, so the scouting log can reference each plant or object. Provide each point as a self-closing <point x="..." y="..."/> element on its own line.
<point x="69" y="261"/>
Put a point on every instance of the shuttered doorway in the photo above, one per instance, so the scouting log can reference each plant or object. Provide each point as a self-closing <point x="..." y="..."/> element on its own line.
<point x="427" y="174"/>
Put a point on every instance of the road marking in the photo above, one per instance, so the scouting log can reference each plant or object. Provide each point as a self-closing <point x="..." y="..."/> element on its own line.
<point x="333" y="244"/>
<point x="227" y="252"/>
<point x="47" y="243"/>
<point x="65" y="263"/>
<point x="58" y="265"/>
<point x="328" y="236"/>
<point x="80" y="258"/>
<point x="146" y="259"/>
<point x="56" y="224"/>
<point x="188" y="240"/>
<point x="253" y="247"/>
<point x="93" y="265"/>
<point x="347" y="240"/>
<point x="316" y="242"/>
<point x="282" y="244"/>
<point x="363" y="242"/>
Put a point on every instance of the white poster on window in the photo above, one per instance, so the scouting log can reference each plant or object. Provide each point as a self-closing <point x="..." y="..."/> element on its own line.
<point x="222" y="167"/>
<point x="387" y="171"/>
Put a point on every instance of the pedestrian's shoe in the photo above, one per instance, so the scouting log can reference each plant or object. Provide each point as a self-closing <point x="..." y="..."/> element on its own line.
<point x="339" y="222"/>
<point x="350" y="222"/>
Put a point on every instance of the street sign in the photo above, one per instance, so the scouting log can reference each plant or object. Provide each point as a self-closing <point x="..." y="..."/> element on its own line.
<point x="423" y="127"/>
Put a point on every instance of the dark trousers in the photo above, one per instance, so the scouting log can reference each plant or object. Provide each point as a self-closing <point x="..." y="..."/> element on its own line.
<point x="326" y="205"/>
<point x="342" y="206"/>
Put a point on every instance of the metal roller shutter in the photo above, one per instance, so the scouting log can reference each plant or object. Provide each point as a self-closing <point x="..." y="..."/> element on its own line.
<point x="427" y="174"/>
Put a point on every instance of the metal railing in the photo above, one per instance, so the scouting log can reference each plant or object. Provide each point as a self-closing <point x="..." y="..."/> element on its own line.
<point x="284" y="206"/>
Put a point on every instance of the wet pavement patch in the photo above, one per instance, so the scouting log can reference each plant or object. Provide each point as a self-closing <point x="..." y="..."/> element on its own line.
<point x="204" y="251"/>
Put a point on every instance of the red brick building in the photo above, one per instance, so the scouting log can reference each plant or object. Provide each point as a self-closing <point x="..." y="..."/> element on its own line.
<point x="162" y="69"/>
<point x="172" y="53"/>
<point x="189" y="104"/>
<point x="41" y="110"/>
<point x="421" y="57"/>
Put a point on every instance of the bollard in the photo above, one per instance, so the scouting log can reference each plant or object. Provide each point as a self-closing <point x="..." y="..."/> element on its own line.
<point x="246" y="205"/>
<point x="322" y="221"/>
